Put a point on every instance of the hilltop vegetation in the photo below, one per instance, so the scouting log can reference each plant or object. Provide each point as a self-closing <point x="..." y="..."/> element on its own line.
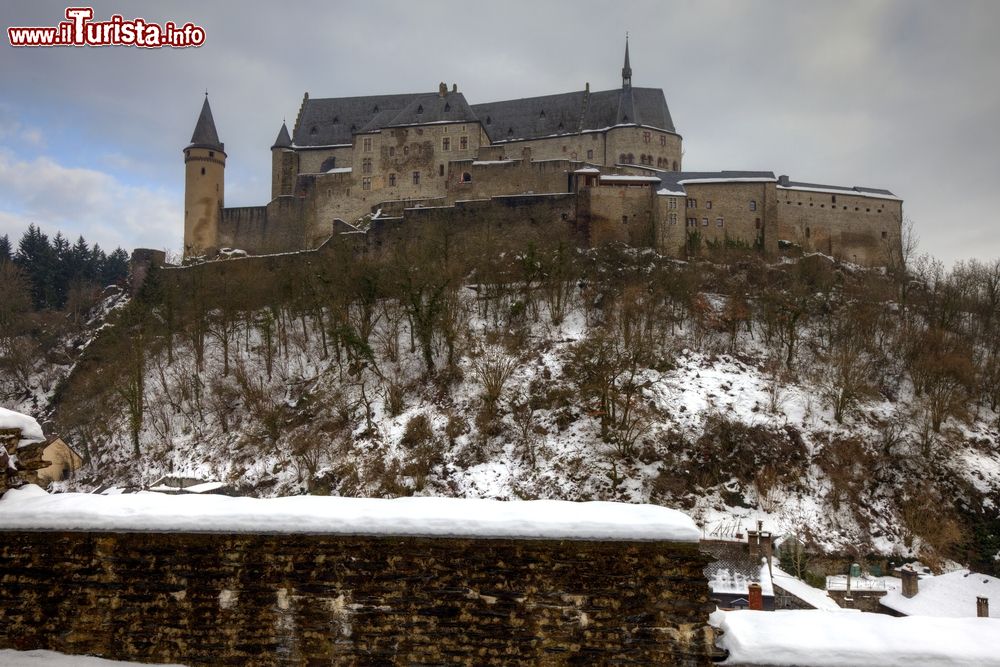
<point x="855" y="409"/>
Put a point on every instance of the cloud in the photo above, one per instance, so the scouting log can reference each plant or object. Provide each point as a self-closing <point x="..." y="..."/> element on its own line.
<point x="80" y="201"/>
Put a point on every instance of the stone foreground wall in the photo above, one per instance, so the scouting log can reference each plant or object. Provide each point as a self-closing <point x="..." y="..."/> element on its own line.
<point x="211" y="599"/>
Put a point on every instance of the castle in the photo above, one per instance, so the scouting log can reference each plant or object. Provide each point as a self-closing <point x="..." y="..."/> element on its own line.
<point x="612" y="160"/>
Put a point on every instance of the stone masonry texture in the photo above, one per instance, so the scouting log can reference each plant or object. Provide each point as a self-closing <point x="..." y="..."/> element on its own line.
<point x="243" y="599"/>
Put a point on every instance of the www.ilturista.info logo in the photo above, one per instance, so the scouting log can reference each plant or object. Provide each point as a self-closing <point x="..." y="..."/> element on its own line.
<point x="80" y="30"/>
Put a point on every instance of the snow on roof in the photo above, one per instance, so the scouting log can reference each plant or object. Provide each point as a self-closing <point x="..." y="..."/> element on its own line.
<point x="30" y="429"/>
<point x="31" y="508"/>
<point x="340" y="170"/>
<point x="627" y="178"/>
<point x="803" y="591"/>
<point x="671" y="193"/>
<point x="830" y="639"/>
<point x="757" y="179"/>
<point x="735" y="582"/>
<point x="953" y="595"/>
<point x="857" y="192"/>
<point x="477" y="163"/>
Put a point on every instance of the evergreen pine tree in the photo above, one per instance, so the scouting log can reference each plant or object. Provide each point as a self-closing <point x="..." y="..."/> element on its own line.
<point x="6" y="250"/>
<point x="36" y="259"/>
<point x="115" y="267"/>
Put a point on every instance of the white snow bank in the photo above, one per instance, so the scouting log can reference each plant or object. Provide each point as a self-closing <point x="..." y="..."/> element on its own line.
<point x="30" y="430"/>
<point x="829" y="639"/>
<point x="30" y="508"/>
<point x="11" y="658"/>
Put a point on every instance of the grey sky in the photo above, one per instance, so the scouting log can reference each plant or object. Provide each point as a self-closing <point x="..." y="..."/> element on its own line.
<point x="901" y="95"/>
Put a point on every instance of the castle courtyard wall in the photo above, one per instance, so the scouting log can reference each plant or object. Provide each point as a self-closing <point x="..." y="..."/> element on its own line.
<point x="311" y="160"/>
<point x="507" y="177"/>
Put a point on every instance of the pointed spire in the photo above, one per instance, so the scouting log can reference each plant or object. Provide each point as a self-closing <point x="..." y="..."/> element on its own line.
<point x="627" y="70"/>
<point x="283" y="140"/>
<point x="204" y="130"/>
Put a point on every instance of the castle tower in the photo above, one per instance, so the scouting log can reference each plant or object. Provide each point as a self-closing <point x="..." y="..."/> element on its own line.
<point x="284" y="164"/>
<point x="204" y="185"/>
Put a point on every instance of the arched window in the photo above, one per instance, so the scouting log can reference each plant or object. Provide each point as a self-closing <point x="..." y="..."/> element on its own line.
<point x="466" y="177"/>
<point x="630" y="159"/>
<point x="622" y="158"/>
<point x="202" y="171"/>
<point x="392" y="180"/>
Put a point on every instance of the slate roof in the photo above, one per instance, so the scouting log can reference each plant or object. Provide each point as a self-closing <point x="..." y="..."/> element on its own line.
<point x="283" y="140"/>
<point x="205" y="135"/>
<point x="334" y="120"/>
<point x="577" y="111"/>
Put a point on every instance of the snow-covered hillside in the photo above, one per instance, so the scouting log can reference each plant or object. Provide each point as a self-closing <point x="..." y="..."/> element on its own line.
<point x="713" y="425"/>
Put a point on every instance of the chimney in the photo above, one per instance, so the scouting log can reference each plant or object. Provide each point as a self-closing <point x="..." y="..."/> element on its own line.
<point x="910" y="586"/>
<point x="454" y="87"/>
<point x="983" y="607"/>
<point x="756" y="597"/>
<point x="442" y="89"/>
<point x="783" y="180"/>
<point x="587" y="88"/>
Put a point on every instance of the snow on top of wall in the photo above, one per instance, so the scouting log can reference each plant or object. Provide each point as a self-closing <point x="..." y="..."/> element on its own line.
<point x="803" y="591"/>
<point x="30" y="429"/>
<point x="31" y="508"/>
<point x="831" y="639"/>
<point x="953" y="595"/>
<point x="39" y="658"/>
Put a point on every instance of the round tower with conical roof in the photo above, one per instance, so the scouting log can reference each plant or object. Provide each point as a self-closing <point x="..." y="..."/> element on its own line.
<point x="204" y="186"/>
<point x="284" y="164"/>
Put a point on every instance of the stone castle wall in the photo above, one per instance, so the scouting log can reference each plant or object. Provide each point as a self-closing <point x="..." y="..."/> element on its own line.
<point x="618" y="213"/>
<point x="852" y="228"/>
<point x="735" y="211"/>
<point x="225" y="599"/>
<point x="508" y="177"/>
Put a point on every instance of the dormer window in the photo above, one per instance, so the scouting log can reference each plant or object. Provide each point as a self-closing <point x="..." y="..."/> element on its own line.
<point x="375" y="110"/>
<point x="447" y="107"/>
<point x="542" y="114"/>
<point x="489" y="121"/>
<point x="336" y="120"/>
<point x="560" y="126"/>
<point x="510" y="132"/>
<point x="420" y="108"/>
<point x="313" y="130"/>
